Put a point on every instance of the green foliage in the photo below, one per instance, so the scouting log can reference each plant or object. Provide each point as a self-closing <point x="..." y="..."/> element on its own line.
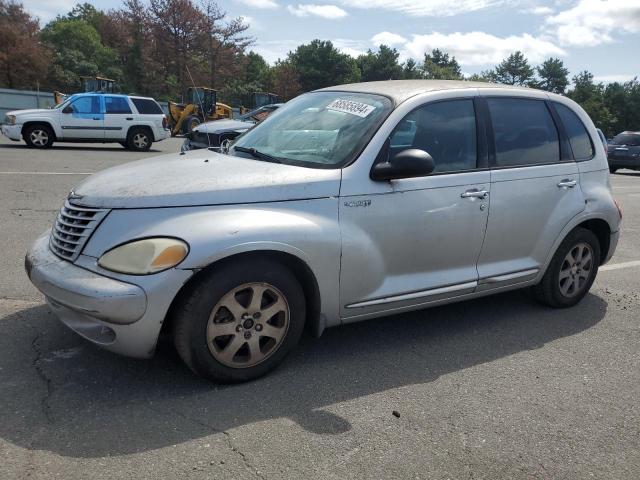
<point x="514" y="70"/>
<point x="78" y="51"/>
<point x="590" y="96"/>
<point x="410" y="70"/>
<point x="319" y="64"/>
<point x="554" y="77"/>
<point x="439" y="66"/>
<point x="380" y="65"/>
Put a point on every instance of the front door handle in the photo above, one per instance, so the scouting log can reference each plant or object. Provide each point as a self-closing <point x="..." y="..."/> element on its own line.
<point x="567" y="183"/>
<point x="96" y="118"/>
<point x="475" y="193"/>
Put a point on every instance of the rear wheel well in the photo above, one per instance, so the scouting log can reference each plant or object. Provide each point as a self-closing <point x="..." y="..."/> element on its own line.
<point x="38" y="122"/>
<point x="147" y="128"/>
<point x="298" y="267"/>
<point x="601" y="230"/>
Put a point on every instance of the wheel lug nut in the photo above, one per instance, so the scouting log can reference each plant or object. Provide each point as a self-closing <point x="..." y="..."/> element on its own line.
<point x="239" y="328"/>
<point x="258" y="327"/>
<point x="247" y="335"/>
<point x="257" y="315"/>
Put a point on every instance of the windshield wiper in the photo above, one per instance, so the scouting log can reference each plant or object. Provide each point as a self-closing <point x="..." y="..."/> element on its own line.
<point x="257" y="154"/>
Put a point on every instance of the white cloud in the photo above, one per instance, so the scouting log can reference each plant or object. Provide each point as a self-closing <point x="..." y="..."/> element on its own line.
<point x="354" y="48"/>
<point x="540" y="10"/>
<point x="324" y="11"/>
<point x="387" y="38"/>
<point x="621" y="78"/>
<point x="265" y="4"/>
<point x="427" y="8"/>
<point x="480" y="48"/>
<point x="592" y="22"/>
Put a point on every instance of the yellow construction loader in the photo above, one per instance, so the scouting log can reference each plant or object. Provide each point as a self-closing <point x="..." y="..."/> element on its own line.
<point x="201" y="107"/>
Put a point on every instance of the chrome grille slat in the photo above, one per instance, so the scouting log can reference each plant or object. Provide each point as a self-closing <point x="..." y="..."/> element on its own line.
<point x="72" y="228"/>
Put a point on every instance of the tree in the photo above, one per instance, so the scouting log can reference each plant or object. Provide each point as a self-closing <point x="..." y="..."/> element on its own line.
<point x="319" y="64"/>
<point x="514" y="70"/>
<point x="23" y="58"/>
<point x="439" y="66"/>
<point x="78" y="51"/>
<point x="380" y="65"/>
<point x="590" y="96"/>
<point x="220" y="35"/>
<point x="285" y="80"/>
<point x="624" y="100"/>
<point x="554" y="77"/>
<point x="410" y="70"/>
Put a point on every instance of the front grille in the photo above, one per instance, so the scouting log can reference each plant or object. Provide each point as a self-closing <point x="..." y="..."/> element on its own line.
<point x="74" y="225"/>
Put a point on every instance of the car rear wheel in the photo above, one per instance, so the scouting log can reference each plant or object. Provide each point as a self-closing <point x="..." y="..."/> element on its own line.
<point x="572" y="270"/>
<point x="39" y="136"/>
<point x="239" y="321"/>
<point x="139" y="139"/>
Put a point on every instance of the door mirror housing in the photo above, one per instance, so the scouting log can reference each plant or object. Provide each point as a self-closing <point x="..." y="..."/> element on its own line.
<point x="408" y="163"/>
<point x="67" y="109"/>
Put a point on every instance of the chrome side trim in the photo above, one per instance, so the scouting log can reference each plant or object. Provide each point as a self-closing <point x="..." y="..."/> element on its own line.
<point x="510" y="276"/>
<point x="414" y="295"/>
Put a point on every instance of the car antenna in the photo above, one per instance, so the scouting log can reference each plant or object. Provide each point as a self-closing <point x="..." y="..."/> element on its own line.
<point x="201" y="105"/>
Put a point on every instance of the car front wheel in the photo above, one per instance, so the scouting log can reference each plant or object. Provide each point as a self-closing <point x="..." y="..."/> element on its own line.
<point x="39" y="136"/>
<point x="240" y="321"/>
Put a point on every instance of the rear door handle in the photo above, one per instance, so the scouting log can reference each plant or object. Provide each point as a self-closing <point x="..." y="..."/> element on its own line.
<point x="129" y="118"/>
<point x="567" y="183"/>
<point x="475" y="193"/>
<point x="96" y="118"/>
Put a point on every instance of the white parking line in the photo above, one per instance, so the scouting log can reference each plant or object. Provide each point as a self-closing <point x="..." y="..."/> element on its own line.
<point x="46" y="173"/>
<point x="618" y="266"/>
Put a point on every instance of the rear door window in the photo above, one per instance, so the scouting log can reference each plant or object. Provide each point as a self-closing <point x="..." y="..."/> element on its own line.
<point x="576" y="131"/>
<point x="116" y="105"/>
<point x="628" y="139"/>
<point x="524" y="132"/>
<point x="146" y="106"/>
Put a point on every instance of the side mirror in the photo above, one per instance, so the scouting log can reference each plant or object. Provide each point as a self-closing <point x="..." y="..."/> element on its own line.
<point x="67" y="109"/>
<point x="408" y="163"/>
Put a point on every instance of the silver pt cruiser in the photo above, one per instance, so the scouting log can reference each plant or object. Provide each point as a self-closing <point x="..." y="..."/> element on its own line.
<point x="348" y="203"/>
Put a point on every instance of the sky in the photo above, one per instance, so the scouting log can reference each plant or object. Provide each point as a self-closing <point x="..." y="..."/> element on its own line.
<point x="602" y="36"/>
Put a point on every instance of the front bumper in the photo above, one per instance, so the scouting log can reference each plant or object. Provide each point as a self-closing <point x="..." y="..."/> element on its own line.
<point x="119" y="316"/>
<point x="14" y="132"/>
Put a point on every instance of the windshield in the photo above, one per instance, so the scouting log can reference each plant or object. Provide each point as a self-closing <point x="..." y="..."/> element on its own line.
<point x="66" y="102"/>
<point x="258" y="114"/>
<point x="319" y="129"/>
<point x="630" y="139"/>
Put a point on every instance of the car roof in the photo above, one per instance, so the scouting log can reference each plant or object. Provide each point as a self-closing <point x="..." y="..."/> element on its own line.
<point x="121" y="95"/>
<point x="401" y="90"/>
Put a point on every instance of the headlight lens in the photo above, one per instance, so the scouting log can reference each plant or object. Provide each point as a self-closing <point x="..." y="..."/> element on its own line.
<point x="143" y="257"/>
<point x="10" y="119"/>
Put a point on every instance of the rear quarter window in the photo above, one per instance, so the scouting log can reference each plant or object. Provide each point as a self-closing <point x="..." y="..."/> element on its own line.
<point x="576" y="131"/>
<point x="146" y="106"/>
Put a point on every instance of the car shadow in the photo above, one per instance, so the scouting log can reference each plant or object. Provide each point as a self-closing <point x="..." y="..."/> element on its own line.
<point x="628" y="173"/>
<point x="63" y="395"/>
<point x="77" y="147"/>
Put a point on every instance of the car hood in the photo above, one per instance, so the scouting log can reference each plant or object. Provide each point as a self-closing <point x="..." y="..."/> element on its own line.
<point x="203" y="177"/>
<point x="218" y="125"/>
<point x="29" y="111"/>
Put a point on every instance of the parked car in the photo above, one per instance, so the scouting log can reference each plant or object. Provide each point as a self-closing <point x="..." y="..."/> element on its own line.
<point x="212" y="134"/>
<point x="134" y="122"/>
<point x="624" y="151"/>
<point x="330" y="213"/>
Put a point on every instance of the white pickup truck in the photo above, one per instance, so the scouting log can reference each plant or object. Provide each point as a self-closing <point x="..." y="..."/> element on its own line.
<point x="134" y="122"/>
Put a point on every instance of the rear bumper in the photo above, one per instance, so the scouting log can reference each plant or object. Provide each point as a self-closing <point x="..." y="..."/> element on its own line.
<point x="116" y="315"/>
<point x="613" y="243"/>
<point x="14" y="132"/>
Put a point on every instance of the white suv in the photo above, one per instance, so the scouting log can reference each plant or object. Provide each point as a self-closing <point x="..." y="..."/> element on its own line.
<point x="134" y="122"/>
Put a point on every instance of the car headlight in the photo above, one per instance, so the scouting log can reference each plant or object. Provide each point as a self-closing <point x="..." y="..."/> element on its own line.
<point x="10" y="119"/>
<point x="143" y="257"/>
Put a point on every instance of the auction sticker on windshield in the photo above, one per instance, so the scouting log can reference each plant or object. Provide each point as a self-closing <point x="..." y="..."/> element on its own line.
<point x="354" y="108"/>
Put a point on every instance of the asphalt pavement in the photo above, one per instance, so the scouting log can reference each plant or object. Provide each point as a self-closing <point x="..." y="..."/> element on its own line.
<point x="495" y="388"/>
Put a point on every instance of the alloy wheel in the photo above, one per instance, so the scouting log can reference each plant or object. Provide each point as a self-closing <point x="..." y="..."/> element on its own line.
<point x="39" y="138"/>
<point x="575" y="270"/>
<point x="140" y="140"/>
<point x="248" y="325"/>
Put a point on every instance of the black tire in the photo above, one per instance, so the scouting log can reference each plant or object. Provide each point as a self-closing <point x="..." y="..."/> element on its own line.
<point x="124" y="144"/>
<point x="191" y="320"/>
<point x="550" y="290"/>
<point x="139" y="139"/>
<point x="38" y="136"/>
<point x="191" y="122"/>
<point x="613" y="169"/>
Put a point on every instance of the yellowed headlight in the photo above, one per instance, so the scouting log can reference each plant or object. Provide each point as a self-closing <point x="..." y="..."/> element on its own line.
<point x="143" y="257"/>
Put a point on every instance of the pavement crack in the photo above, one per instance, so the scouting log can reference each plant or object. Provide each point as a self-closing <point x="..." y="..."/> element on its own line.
<point x="44" y="402"/>
<point x="250" y="467"/>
